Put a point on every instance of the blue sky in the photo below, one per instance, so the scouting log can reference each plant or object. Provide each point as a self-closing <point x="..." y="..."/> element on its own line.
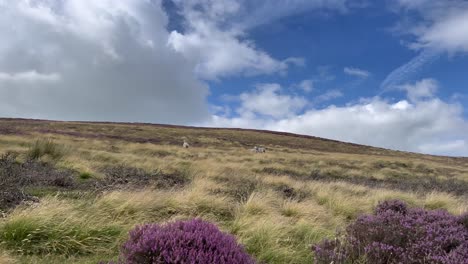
<point x="361" y="39"/>
<point x="392" y="74"/>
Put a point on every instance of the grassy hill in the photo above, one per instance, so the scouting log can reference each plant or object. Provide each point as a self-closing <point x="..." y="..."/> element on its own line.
<point x="70" y="191"/>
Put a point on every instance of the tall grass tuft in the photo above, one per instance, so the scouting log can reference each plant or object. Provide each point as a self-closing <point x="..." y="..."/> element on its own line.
<point x="56" y="227"/>
<point x="29" y="236"/>
<point x="43" y="147"/>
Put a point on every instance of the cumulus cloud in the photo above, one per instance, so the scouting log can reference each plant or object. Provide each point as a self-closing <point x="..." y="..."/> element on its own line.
<point x="94" y="60"/>
<point x="215" y="36"/>
<point x="267" y="101"/>
<point x="220" y="54"/>
<point x="447" y="34"/>
<point x="421" y="123"/>
<point x="356" y="72"/>
<point x="443" y="25"/>
<point x="420" y="90"/>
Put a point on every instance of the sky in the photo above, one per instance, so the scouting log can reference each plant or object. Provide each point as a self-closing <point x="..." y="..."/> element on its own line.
<point x="391" y="74"/>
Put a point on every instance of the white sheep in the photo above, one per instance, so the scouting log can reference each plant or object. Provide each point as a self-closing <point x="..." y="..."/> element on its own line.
<point x="258" y="149"/>
<point x="186" y="144"/>
<point x="261" y="150"/>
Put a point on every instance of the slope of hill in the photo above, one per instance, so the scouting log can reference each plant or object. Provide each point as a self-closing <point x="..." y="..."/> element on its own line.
<point x="79" y="187"/>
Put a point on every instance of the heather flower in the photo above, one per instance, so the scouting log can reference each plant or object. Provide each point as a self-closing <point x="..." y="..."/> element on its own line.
<point x="397" y="234"/>
<point x="182" y="242"/>
<point x="392" y="205"/>
<point x="330" y="251"/>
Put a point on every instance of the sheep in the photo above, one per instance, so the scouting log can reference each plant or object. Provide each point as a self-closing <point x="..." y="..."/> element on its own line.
<point x="186" y="144"/>
<point x="261" y="150"/>
<point x="258" y="149"/>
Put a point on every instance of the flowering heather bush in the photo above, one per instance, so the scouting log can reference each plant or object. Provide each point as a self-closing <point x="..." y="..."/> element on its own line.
<point x="187" y="242"/>
<point x="392" y="205"/>
<point x="397" y="234"/>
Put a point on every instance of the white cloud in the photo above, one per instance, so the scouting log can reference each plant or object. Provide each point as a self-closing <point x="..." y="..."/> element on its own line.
<point x="356" y="72"/>
<point x="420" y="90"/>
<point x="385" y="124"/>
<point x="220" y="54"/>
<point x="29" y="76"/>
<point x="423" y="124"/>
<point x="94" y="60"/>
<point x="402" y="73"/>
<point x="216" y="38"/>
<point x="443" y="25"/>
<point x="328" y="95"/>
<point x="449" y="33"/>
<point x="268" y="101"/>
<point x="307" y="85"/>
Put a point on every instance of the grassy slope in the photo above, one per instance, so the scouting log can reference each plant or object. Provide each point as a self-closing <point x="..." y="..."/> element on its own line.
<point x="277" y="203"/>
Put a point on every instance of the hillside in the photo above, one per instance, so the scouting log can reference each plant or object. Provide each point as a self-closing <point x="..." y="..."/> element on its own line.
<point x="79" y="187"/>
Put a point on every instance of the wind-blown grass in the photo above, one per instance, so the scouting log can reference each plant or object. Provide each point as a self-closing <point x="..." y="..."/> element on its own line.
<point x="277" y="204"/>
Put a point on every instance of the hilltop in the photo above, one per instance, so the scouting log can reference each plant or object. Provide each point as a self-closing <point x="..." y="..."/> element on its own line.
<point x="82" y="185"/>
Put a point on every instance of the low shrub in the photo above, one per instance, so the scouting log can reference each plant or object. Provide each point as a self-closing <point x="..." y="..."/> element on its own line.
<point x="292" y="193"/>
<point x="193" y="241"/>
<point x="121" y="175"/>
<point x="16" y="177"/>
<point x="10" y="191"/>
<point x="397" y="234"/>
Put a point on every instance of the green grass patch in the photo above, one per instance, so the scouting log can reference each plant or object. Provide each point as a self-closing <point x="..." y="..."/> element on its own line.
<point x="86" y="175"/>
<point x="34" y="236"/>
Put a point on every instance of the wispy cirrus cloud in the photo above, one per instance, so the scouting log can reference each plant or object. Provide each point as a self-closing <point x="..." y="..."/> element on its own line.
<point x="405" y="71"/>
<point x="438" y="28"/>
<point x="327" y="96"/>
<point x="356" y="72"/>
<point x="306" y="85"/>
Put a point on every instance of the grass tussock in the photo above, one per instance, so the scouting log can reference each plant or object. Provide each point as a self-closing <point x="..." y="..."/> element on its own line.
<point x="45" y="148"/>
<point x="57" y="228"/>
<point x="239" y="185"/>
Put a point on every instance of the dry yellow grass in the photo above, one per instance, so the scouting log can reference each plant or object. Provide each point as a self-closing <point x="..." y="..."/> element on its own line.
<point x="277" y="204"/>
